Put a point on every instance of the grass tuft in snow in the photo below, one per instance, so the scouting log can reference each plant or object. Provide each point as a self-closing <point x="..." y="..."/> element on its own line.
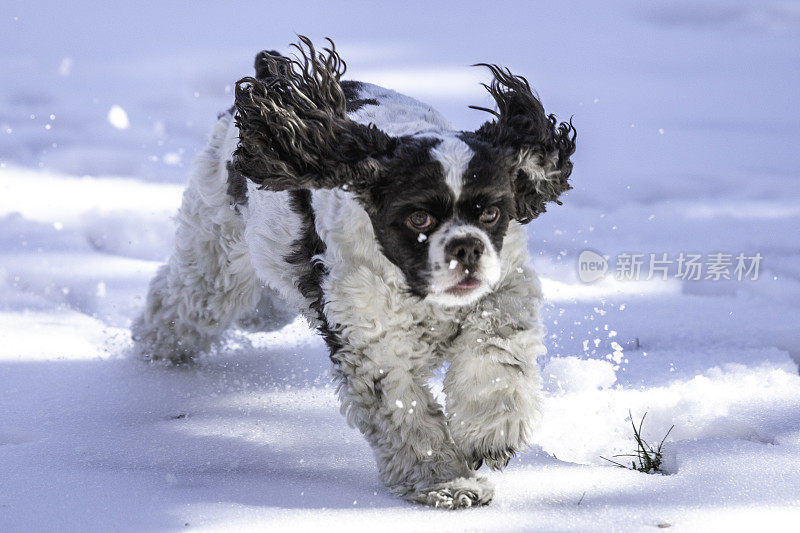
<point x="646" y="459"/>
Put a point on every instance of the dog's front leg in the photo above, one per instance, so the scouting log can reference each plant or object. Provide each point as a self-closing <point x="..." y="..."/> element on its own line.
<point x="492" y="384"/>
<point x="388" y="400"/>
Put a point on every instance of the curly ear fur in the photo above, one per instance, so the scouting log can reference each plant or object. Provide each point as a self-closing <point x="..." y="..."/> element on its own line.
<point x="264" y="59"/>
<point x="540" y="148"/>
<point x="293" y="128"/>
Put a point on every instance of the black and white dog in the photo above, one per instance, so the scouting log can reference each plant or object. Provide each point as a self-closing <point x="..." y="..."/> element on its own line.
<point x="399" y="238"/>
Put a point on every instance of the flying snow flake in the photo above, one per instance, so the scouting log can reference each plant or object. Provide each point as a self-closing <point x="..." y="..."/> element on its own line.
<point x="453" y="264"/>
<point x="65" y="66"/>
<point x="661" y="131"/>
<point x="422" y="237"/>
<point x="399" y="404"/>
<point x="118" y="118"/>
<point x="172" y="158"/>
<point x="58" y="226"/>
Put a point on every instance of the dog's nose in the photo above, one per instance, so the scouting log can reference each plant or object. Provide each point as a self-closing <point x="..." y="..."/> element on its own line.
<point x="465" y="250"/>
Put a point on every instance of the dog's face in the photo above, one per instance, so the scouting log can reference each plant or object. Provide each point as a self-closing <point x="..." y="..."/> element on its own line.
<point x="440" y="205"/>
<point x="440" y="209"/>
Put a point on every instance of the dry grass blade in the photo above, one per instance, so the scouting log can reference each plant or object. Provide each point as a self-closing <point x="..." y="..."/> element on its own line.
<point x="649" y="458"/>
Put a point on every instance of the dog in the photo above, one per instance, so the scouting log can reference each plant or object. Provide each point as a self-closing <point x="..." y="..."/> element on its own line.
<point x="400" y="239"/>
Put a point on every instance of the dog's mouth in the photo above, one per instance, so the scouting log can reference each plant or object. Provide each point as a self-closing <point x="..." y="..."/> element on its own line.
<point x="467" y="284"/>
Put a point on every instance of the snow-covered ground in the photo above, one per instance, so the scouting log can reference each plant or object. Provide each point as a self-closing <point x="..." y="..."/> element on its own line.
<point x="689" y="123"/>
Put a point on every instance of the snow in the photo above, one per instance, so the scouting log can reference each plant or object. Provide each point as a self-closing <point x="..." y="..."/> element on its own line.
<point x="118" y="118"/>
<point x="688" y="124"/>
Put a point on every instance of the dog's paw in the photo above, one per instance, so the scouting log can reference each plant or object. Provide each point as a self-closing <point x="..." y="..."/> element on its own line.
<point x="459" y="493"/>
<point x="494" y="459"/>
<point x="493" y="442"/>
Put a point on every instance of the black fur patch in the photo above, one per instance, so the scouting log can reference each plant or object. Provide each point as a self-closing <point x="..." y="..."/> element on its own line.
<point x="262" y="63"/>
<point x="304" y="249"/>
<point x="522" y="128"/>
<point x="293" y="129"/>
<point x="237" y="186"/>
<point x="353" y="102"/>
<point x="410" y="181"/>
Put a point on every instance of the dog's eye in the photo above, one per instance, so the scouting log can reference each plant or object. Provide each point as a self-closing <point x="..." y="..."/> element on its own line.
<point x="490" y="215"/>
<point x="419" y="221"/>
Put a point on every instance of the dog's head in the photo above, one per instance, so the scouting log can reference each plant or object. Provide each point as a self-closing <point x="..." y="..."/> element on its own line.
<point x="440" y="204"/>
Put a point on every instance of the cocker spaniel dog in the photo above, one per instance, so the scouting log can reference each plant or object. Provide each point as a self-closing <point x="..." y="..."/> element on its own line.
<point x="399" y="238"/>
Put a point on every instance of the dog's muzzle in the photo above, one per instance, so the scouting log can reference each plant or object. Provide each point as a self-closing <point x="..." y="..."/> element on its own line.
<point x="466" y="251"/>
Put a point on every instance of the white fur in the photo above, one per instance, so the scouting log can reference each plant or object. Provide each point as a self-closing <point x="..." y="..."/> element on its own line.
<point x="398" y="114"/>
<point x="391" y="341"/>
<point x="454" y="155"/>
<point x="444" y="278"/>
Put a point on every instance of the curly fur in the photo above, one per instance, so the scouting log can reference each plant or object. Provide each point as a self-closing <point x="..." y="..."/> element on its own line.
<point x="541" y="146"/>
<point x="293" y="128"/>
<point x="304" y="197"/>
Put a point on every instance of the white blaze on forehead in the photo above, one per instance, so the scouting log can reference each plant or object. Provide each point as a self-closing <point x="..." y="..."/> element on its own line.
<point x="454" y="155"/>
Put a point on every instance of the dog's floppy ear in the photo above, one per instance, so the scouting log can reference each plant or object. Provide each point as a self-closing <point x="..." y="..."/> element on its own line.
<point x="538" y="146"/>
<point x="293" y="130"/>
<point x="265" y="60"/>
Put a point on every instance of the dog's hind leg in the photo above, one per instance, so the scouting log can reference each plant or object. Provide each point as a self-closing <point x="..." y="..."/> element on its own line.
<point x="271" y="313"/>
<point x="209" y="280"/>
